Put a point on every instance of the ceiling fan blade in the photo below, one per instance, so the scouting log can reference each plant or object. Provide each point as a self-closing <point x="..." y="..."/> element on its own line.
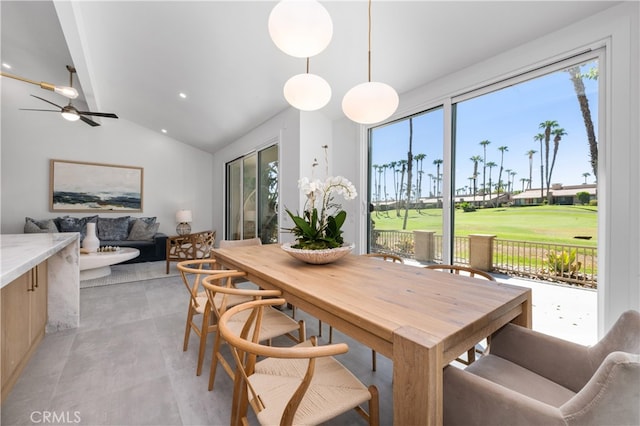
<point x="46" y="110"/>
<point x="98" y="114"/>
<point x="49" y="102"/>
<point x="89" y="121"/>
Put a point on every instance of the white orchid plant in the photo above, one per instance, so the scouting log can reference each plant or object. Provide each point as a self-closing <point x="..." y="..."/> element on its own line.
<point x="319" y="227"/>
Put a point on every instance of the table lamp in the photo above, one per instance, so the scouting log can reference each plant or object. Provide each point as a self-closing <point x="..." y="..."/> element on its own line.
<point x="183" y="217"/>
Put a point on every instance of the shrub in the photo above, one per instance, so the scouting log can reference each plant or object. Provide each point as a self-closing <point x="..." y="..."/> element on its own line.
<point x="563" y="262"/>
<point x="583" y="197"/>
<point x="467" y="207"/>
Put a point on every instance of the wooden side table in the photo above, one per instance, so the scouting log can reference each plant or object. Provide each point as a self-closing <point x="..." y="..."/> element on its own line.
<point x="189" y="247"/>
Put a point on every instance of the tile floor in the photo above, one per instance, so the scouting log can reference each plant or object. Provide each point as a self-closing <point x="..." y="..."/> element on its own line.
<point x="125" y="364"/>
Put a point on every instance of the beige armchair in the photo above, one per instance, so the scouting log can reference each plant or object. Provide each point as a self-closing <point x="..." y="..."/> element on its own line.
<point x="533" y="379"/>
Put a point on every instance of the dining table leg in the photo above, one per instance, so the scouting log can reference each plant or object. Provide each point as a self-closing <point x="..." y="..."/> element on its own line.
<point x="417" y="378"/>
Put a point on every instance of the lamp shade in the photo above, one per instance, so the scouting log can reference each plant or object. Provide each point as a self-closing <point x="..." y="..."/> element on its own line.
<point x="307" y="92"/>
<point x="183" y="216"/>
<point x="370" y="102"/>
<point x="300" y="28"/>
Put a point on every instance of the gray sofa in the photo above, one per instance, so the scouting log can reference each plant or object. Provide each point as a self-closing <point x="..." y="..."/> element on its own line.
<point x="124" y="231"/>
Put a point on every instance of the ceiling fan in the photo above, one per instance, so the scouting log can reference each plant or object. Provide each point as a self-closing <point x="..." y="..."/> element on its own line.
<point x="70" y="112"/>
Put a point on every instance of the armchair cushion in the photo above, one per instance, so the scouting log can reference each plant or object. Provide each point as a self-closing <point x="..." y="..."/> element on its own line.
<point x="519" y="379"/>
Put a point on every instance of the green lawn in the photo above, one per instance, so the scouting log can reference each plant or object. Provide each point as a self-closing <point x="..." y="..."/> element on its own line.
<point x="551" y="224"/>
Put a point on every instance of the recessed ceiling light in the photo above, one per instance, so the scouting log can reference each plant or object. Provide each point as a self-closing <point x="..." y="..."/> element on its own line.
<point x="183" y="95"/>
<point x="5" y="65"/>
<point x="163" y="130"/>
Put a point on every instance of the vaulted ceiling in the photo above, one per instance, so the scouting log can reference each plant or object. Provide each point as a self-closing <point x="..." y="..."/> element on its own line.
<point x="135" y="57"/>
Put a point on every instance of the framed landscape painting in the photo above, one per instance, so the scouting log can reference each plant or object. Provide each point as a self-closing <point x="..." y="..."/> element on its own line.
<point x="91" y="187"/>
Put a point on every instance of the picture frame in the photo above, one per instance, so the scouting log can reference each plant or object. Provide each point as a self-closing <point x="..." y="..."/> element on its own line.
<point x="76" y="186"/>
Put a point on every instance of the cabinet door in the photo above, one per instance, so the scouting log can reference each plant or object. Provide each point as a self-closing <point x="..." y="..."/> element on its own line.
<point x="16" y="338"/>
<point x="39" y="302"/>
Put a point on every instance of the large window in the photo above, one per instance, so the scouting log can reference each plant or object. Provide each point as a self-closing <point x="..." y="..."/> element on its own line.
<point x="252" y="196"/>
<point x="523" y="169"/>
<point x="405" y="175"/>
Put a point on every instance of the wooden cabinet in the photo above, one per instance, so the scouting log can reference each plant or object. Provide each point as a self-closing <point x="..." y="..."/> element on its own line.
<point x="23" y="307"/>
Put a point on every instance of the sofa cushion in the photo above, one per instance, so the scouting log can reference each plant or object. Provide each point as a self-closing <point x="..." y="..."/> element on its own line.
<point x="142" y="231"/>
<point x="113" y="229"/>
<point x="37" y="226"/>
<point x="148" y="220"/>
<point x="76" y="224"/>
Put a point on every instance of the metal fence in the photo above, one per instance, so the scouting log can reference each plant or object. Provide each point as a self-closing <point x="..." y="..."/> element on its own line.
<point x="566" y="263"/>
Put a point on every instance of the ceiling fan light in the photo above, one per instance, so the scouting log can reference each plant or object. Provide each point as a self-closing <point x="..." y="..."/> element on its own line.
<point x="68" y="92"/>
<point x="307" y="92"/>
<point x="300" y="28"/>
<point x="71" y="116"/>
<point x="370" y="102"/>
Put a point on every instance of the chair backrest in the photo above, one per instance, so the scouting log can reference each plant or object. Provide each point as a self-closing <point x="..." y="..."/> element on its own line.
<point x="221" y="291"/>
<point x="245" y="348"/>
<point x="192" y="272"/>
<point x="240" y="243"/>
<point x="386" y="256"/>
<point x="462" y="270"/>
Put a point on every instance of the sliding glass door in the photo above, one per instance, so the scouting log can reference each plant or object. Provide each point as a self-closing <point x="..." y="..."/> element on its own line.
<point x="252" y="196"/>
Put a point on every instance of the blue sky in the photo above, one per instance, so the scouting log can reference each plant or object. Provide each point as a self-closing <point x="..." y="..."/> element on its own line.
<point x="509" y="117"/>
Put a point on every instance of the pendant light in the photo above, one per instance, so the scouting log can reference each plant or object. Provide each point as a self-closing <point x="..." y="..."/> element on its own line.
<point x="300" y="28"/>
<point x="307" y="92"/>
<point x="370" y="102"/>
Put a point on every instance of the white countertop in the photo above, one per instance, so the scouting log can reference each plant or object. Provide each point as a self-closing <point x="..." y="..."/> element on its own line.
<point x="21" y="252"/>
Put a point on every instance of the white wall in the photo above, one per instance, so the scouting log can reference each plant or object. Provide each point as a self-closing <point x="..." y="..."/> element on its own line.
<point x="175" y="175"/>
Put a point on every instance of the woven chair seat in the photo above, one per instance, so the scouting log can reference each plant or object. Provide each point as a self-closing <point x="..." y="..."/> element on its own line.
<point x="276" y="379"/>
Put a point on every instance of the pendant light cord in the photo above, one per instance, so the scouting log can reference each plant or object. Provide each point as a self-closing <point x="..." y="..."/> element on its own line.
<point x="369" y="56"/>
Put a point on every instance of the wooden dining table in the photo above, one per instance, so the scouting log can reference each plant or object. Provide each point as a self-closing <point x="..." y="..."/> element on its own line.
<point x="421" y="319"/>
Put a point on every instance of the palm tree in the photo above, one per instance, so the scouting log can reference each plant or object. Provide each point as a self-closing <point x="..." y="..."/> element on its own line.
<point x="409" y="169"/>
<point x="375" y="181"/>
<point x="384" y="171"/>
<point x="380" y="168"/>
<point x="548" y="126"/>
<point x="431" y="193"/>
<point x="392" y="166"/>
<point x="530" y="154"/>
<point x="512" y="174"/>
<point x="437" y="163"/>
<point x="475" y="159"/>
<point x="484" y="162"/>
<point x="578" y="85"/>
<point x="524" y="180"/>
<point x="419" y="159"/>
<point x="403" y="169"/>
<point x="490" y="165"/>
<point x="502" y="149"/>
<point x="586" y="175"/>
<point x="557" y="136"/>
<point x="540" y="137"/>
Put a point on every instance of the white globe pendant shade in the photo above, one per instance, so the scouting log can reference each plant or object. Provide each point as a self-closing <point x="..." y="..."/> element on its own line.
<point x="300" y="28"/>
<point x="370" y="102"/>
<point x="307" y="92"/>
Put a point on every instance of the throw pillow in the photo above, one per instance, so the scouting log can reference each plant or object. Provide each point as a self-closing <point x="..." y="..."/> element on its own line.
<point x="141" y="231"/>
<point x="147" y="220"/>
<point x="113" y="229"/>
<point x="38" y="226"/>
<point x="76" y="224"/>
